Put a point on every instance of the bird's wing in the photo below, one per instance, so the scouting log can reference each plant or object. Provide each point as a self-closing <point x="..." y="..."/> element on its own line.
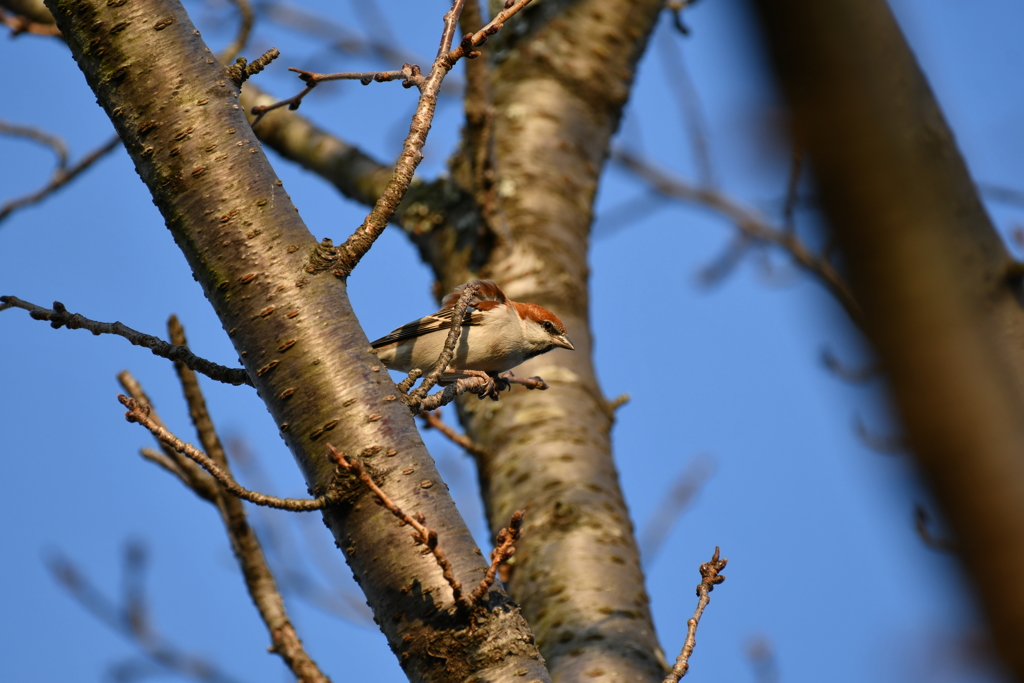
<point x="487" y="297"/>
<point x="442" y="320"/>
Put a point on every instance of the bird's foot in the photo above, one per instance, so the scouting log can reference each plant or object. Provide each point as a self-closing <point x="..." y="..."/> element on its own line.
<point x="492" y="386"/>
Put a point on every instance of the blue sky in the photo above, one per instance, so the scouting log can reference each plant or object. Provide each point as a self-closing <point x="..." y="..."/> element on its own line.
<point x="825" y="564"/>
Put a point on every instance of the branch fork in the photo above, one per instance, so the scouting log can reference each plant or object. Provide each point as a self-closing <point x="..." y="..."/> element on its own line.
<point x="422" y="534"/>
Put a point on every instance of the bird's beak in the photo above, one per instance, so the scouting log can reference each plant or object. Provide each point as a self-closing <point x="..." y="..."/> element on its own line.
<point x="563" y="341"/>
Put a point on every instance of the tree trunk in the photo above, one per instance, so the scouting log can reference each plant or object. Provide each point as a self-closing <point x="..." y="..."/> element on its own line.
<point x="273" y="287"/>
<point x="940" y="294"/>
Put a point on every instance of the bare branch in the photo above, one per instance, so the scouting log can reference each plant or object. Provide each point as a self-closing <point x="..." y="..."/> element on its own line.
<point x="887" y="445"/>
<point x="433" y="420"/>
<point x="60" y="150"/>
<point x="190" y="473"/>
<point x="864" y="373"/>
<point x="921" y="519"/>
<point x="19" y="23"/>
<point x="762" y="660"/>
<point x="472" y="385"/>
<point x="501" y="553"/>
<point x="421" y="534"/>
<point x="259" y="580"/>
<point x="128" y="620"/>
<point x="792" y="189"/>
<point x="745" y="221"/>
<point x="363" y="238"/>
<point x="246" y="17"/>
<point x="59" y="316"/>
<point x="140" y="414"/>
<point x="999" y="193"/>
<point x="377" y="44"/>
<point x="710" y="577"/>
<point x="448" y="350"/>
<point x="59" y="179"/>
<point x="479" y="133"/>
<point x="409" y="74"/>
<point x="691" y="110"/>
<point x="160" y="459"/>
<point x="677" y="7"/>
<point x="685" y="488"/>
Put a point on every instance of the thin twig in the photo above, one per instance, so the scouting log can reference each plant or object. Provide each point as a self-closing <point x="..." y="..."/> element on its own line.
<point x="864" y="373"/>
<point x="710" y="577"/>
<point x="999" y="193"/>
<point x="246" y="17"/>
<point x="479" y="133"/>
<point x="242" y="70"/>
<point x="481" y="385"/>
<point x="528" y="382"/>
<point x="690" y="108"/>
<point x="356" y="246"/>
<point x="377" y="44"/>
<point x="618" y="402"/>
<point x="723" y="266"/>
<point x="159" y="458"/>
<point x="421" y="533"/>
<point x="60" y="150"/>
<point x="407" y="383"/>
<point x="448" y="350"/>
<point x="921" y="519"/>
<point x="745" y="221"/>
<point x="19" y="24"/>
<point x="128" y="620"/>
<point x="59" y="179"/>
<point x="409" y="74"/>
<point x="259" y="580"/>
<point x="278" y="541"/>
<point x="140" y="414"/>
<point x="59" y="316"/>
<point x="434" y="421"/>
<point x="793" y="189"/>
<point x="189" y="472"/>
<point x="677" y="7"/>
<point x="501" y="553"/>
<point x="762" y="660"/>
<point x="887" y="445"/>
<point x="671" y="507"/>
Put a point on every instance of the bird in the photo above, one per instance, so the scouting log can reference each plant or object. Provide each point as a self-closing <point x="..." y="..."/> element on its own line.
<point x="497" y="335"/>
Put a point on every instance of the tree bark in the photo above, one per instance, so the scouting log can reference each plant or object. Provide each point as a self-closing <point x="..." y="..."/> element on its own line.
<point x="273" y="287"/>
<point x="940" y="294"/>
<point x="559" y="84"/>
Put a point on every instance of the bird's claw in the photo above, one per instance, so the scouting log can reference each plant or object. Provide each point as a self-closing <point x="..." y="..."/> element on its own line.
<point x="493" y="384"/>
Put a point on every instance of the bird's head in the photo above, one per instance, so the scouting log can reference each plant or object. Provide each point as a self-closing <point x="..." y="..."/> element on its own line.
<point x="542" y="330"/>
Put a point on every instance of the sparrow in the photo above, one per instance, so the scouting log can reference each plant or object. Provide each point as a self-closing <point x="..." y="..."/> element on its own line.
<point x="497" y="335"/>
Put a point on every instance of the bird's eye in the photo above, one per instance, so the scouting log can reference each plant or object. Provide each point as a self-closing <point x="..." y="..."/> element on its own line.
<point x="548" y="325"/>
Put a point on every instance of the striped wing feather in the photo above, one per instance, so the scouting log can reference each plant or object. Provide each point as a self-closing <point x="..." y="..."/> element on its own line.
<point x="487" y="297"/>
<point x="442" y="320"/>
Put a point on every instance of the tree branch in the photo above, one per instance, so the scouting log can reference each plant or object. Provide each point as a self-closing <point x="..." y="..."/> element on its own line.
<point x="60" y="178"/>
<point x="745" y="221"/>
<point x="710" y="577"/>
<point x="421" y="533"/>
<point x="433" y="420"/>
<point x="140" y="414"/>
<point x="259" y="580"/>
<point x="363" y="238"/>
<point x="59" y="316"/>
